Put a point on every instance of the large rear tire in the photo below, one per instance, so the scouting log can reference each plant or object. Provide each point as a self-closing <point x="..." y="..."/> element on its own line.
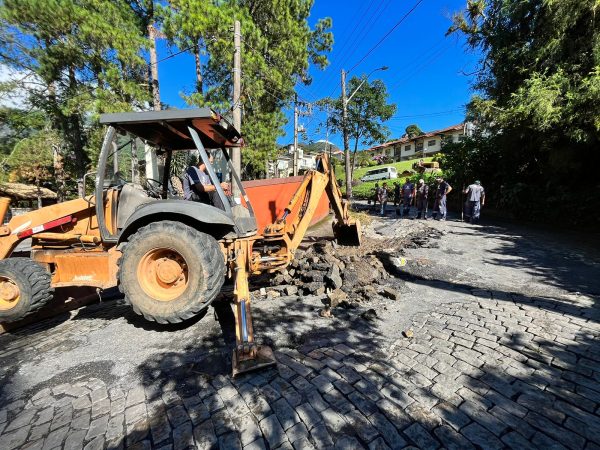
<point x="25" y="286"/>
<point x="170" y="272"/>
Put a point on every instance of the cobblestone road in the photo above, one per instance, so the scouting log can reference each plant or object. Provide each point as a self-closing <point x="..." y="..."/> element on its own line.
<point x="497" y="368"/>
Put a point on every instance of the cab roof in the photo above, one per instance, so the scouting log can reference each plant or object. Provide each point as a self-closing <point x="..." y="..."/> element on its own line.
<point x="169" y="129"/>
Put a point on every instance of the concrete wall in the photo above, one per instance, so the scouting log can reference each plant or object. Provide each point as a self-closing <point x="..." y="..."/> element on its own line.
<point x="270" y="197"/>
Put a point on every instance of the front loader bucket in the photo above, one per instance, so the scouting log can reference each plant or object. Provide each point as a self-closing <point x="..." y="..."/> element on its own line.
<point x="347" y="234"/>
<point x="263" y="357"/>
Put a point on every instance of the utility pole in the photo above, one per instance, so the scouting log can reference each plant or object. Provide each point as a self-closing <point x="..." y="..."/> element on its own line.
<point x="236" y="156"/>
<point x="295" y="156"/>
<point x="345" y="133"/>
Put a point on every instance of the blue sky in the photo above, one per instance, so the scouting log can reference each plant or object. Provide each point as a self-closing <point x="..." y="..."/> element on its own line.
<point x="425" y="78"/>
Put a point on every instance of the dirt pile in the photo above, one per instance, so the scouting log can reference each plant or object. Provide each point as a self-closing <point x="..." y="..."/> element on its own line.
<point x="347" y="276"/>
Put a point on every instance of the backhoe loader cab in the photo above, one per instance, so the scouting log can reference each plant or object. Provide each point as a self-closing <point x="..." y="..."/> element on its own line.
<point x="169" y="256"/>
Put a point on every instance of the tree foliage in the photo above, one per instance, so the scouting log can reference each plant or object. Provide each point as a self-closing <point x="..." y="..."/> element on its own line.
<point x="367" y="111"/>
<point x="277" y="48"/>
<point x="75" y="59"/>
<point x="412" y="131"/>
<point x="538" y="99"/>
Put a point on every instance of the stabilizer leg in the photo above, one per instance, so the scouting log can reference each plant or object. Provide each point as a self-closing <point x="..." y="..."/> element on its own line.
<point x="247" y="356"/>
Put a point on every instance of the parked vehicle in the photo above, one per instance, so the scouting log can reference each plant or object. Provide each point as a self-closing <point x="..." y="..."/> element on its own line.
<point x="381" y="173"/>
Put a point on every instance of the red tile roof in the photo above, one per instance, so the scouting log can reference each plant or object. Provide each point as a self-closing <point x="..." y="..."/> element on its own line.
<point x="403" y="140"/>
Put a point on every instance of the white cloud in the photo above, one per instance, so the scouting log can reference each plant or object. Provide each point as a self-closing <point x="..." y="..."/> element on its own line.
<point x="17" y="98"/>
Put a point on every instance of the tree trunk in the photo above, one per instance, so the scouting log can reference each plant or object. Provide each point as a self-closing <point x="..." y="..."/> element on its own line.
<point x="76" y="138"/>
<point x="199" y="81"/>
<point x="154" y="69"/>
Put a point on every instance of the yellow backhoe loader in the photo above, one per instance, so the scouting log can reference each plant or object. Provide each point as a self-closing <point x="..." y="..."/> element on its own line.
<point x="169" y="257"/>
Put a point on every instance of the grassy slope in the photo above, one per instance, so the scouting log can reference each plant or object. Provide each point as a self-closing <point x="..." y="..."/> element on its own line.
<point x="364" y="190"/>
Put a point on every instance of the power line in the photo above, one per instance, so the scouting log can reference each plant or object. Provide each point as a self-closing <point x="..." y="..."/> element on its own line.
<point x="386" y="35"/>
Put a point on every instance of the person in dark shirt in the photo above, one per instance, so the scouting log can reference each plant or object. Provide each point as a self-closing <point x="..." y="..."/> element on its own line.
<point x="198" y="187"/>
<point x="383" y="198"/>
<point x="397" y="197"/>
<point x="408" y="192"/>
<point x="439" y="207"/>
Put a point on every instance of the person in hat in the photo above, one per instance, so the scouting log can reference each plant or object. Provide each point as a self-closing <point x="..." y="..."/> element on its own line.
<point x="439" y="207"/>
<point x="475" y="200"/>
<point x="421" y="199"/>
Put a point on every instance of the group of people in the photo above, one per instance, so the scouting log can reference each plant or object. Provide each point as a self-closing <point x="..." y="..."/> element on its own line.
<point x="409" y="194"/>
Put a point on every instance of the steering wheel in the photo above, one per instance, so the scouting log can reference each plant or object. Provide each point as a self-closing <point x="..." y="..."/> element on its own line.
<point x="153" y="187"/>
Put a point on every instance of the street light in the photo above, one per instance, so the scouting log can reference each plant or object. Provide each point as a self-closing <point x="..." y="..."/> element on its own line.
<point x="345" y="127"/>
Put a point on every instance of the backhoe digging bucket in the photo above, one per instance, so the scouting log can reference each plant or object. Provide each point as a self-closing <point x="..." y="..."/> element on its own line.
<point x="347" y="234"/>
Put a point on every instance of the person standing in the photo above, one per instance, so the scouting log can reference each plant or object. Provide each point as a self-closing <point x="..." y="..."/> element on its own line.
<point x="383" y="198"/>
<point x="408" y="192"/>
<point x="397" y="197"/>
<point x="439" y="207"/>
<point x="375" y="195"/>
<point x="422" y="192"/>
<point x="475" y="200"/>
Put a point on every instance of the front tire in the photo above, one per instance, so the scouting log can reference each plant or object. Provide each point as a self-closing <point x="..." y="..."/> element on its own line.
<point x="25" y="286"/>
<point x="170" y="272"/>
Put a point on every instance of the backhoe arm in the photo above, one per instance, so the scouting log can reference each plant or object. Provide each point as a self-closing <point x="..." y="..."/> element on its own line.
<point x="297" y="216"/>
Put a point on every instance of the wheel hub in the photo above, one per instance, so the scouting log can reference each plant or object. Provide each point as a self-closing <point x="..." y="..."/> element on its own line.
<point x="9" y="293"/>
<point x="168" y="270"/>
<point x="163" y="274"/>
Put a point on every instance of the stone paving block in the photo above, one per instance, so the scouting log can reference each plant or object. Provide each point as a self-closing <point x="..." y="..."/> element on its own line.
<point x="451" y="415"/>
<point x="452" y="440"/>
<point x="115" y="428"/>
<point x="321" y="436"/>
<point x="285" y="413"/>
<point x="99" y="394"/>
<point x="516" y="423"/>
<point x="95" y="444"/>
<point x="363" y="428"/>
<point x="424" y="397"/>
<point x="540" y="440"/>
<point x="61" y="418"/>
<point x="183" y="437"/>
<point x="97" y="427"/>
<point x="135" y="413"/>
<point x="481" y="437"/>
<point x="137" y="432"/>
<point x="421" y="437"/>
<point x="397" y="395"/>
<point x="316" y="401"/>
<point x="297" y="432"/>
<point x="135" y="396"/>
<point x="273" y="431"/>
<point x="100" y="408"/>
<point x="259" y="444"/>
<point x="302" y="444"/>
<point x="205" y="436"/>
<point x="387" y="430"/>
<point x="515" y="441"/>
<point x="74" y="440"/>
<point x="590" y="432"/>
<point x="362" y="403"/>
<point x="22" y="419"/>
<point x="378" y="444"/>
<point x="549" y="428"/>
<point x="248" y="428"/>
<point x="55" y="438"/>
<point x="39" y="432"/>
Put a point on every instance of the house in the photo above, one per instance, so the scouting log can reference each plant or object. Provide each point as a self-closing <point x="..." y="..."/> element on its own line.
<point x="427" y="144"/>
<point x="283" y="166"/>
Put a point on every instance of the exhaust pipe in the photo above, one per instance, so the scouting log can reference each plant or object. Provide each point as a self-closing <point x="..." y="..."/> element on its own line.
<point x="4" y="204"/>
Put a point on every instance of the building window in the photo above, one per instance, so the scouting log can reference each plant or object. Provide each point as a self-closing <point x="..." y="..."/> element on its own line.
<point x="407" y="148"/>
<point x="431" y="143"/>
<point x="418" y="146"/>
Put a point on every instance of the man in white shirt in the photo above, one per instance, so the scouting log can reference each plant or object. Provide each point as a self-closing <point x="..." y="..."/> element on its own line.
<point x="198" y="187"/>
<point x="475" y="200"/>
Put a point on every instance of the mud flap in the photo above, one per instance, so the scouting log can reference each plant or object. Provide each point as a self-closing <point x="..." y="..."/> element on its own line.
<point x="347" y="234"/>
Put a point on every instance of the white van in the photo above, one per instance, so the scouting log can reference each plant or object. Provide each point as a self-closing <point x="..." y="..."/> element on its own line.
<point x="382" y="173"/>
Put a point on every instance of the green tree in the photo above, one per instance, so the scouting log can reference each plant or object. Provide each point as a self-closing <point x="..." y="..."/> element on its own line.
<point x="412" y="131"/>
<point x="537" y="101"/>
<point x="82" y="57"/>
<point x="367" y="111"/>
<point x="278" y="47"/>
